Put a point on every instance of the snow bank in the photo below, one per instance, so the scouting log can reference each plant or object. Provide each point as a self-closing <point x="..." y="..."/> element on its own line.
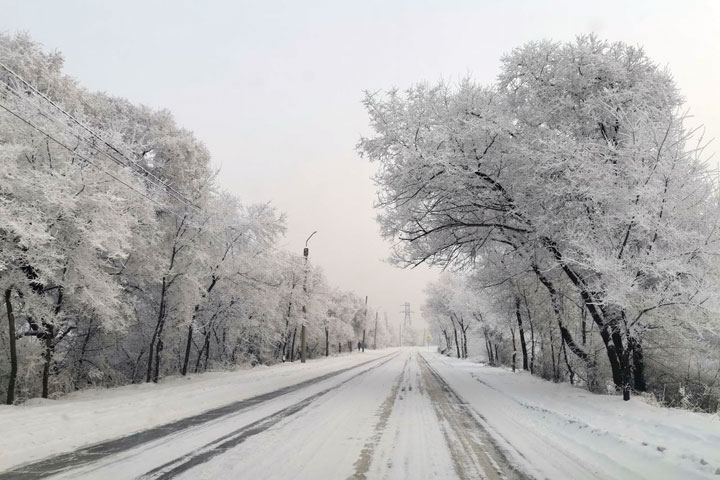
<point x="558" y="431"/>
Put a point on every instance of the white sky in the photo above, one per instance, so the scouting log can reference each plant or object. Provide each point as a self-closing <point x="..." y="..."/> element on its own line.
<point x="274" y="88"/>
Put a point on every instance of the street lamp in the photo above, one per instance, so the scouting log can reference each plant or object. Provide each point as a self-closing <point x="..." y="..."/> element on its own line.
<point x="303" y="333"/>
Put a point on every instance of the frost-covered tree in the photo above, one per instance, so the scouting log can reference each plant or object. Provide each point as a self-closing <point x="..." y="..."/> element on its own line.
<point x="578" y="161"/>
<point x="450" y="300"/>
<point x="120" y="258"/>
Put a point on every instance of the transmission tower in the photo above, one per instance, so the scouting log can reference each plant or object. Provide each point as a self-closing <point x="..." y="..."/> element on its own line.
<point x="407" y="321"/>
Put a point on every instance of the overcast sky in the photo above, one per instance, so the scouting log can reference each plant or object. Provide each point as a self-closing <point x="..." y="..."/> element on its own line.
<point x="274" y="88"/>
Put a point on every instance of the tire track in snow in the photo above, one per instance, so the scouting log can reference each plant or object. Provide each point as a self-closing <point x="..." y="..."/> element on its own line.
<point x="362" y="465"/>
<point x="560" y="456"/>
<point x="473" y="451"/>
<point x="233" y="439"/>
<point x="87" y="455"/>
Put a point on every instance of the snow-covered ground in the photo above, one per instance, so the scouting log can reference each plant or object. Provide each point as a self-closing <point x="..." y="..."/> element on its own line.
<point x="557" y="431"/>
<point x="41" y="428"/>
<point x="393" y="414"/>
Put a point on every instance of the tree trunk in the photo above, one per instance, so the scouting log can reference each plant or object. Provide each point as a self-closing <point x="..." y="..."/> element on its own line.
<point x="202" y="351"/>
<point x="207" y="292"/>
<point x="152" y="353"/>
<point x="207" y="354"/>
<point x="532" y="335"/>
<point x="619" y="350"/>
<point x="552" y="356"/>
<point x="532" y="348"/>
<point x="521" y="333"/>
<point x="48" y="336"/>
<point x="286" y="345"/>
<point x="363" y="341"/>
<point x="607" y="324"/>
<point x="465" y="350"/>
<point x="612" y="356"/>
<point x="292" y="345"/>
<point x="457" y="344"/>
<point x="136" y="366"/>
<point x="488" y="347"/>
<point x="83" y="350"/>
<point x="223" y="356"/>
<point x="327" y="341"/>
<point x="567" y="363"/>
<point x="13" y="348"/>
<point x="158" y="352"/>
<point x="447" y="341"/>
<point x="514" y="355"/>
<point x="638" y="362"/>
<point x="286" y="333"/>
<point x="557" y="309"/>
<point x="187" y="349"/>
<point x="303" y="344"/>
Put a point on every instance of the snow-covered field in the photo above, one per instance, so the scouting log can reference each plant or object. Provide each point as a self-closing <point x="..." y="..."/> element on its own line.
<point x="392" y="414"/>
<point x="41" y="428"/>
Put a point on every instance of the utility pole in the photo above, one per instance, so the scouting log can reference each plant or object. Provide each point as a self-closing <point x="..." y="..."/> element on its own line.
<point x="365" y="324"/>
<point x="375" y="340"/>
<point x="303" y="333"/>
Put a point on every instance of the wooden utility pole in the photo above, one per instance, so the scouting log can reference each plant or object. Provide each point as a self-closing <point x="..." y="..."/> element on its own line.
<point x="375" y="339"/>
<point x="407" y="321"/>
<point x="303" y="333"/>
<point x="365" y="324"/>
<point x="303" y="345"/>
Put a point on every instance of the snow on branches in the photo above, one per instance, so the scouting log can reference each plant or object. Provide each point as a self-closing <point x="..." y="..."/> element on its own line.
<point x="576" y="168"/>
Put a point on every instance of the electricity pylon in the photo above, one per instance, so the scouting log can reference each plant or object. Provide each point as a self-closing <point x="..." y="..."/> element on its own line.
<point x="407" y="320"/>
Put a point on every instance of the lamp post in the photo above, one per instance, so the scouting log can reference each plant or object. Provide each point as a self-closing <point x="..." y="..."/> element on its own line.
<point x="303" y="333"/>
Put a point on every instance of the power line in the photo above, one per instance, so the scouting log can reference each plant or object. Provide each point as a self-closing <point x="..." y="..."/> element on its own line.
<point x="275" y="260"/>
<point x="177" y="195"/>
<point x="89" y="144"/>
<point x="151" y="178"/>
<point x="85" y="159"/>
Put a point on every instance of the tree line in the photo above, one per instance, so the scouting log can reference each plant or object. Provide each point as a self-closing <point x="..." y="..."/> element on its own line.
<point x="122" y="261"/>
<point x="575" y="206"/>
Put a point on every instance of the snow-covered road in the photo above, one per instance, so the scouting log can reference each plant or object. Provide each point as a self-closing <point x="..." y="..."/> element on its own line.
<point x="397" y="414"/>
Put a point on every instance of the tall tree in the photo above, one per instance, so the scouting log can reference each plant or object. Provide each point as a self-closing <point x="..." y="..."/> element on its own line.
<point x="578" y="160"/>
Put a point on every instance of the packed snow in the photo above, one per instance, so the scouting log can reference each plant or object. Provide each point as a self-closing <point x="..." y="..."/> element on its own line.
<point x="559" y="431"/>
<point x="400" y="413"/>
<point x="39" y="429"/>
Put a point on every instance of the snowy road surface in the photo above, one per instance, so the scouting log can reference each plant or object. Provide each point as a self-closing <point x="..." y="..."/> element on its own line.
<point x="395" y="414"/>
